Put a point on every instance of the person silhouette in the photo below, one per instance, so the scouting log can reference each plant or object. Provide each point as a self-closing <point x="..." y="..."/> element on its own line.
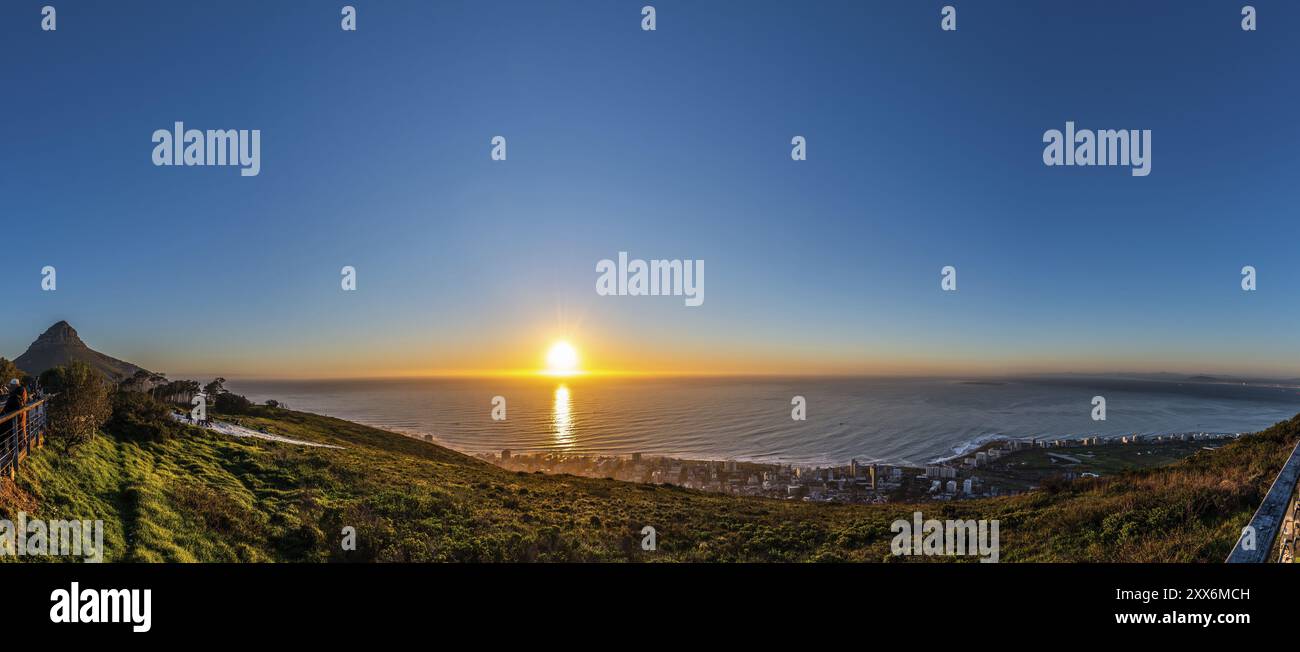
<point x="14" y="402"/>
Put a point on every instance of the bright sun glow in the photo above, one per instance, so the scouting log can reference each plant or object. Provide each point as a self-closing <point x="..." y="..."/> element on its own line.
<point x="562" y="359"/>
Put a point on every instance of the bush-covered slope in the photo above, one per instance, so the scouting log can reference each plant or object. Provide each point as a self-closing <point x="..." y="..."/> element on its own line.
<point x="210" y="497"/>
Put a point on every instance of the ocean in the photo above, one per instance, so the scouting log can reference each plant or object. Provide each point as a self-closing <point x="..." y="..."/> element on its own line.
<point x="890" y="420"/>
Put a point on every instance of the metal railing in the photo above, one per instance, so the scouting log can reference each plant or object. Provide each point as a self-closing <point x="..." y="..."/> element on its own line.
<point x="20" y="432"/>
<point x="1273" y="526"/>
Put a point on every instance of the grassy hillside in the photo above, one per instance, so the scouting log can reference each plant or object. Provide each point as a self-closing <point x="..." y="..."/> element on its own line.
<point x="214" y="498"/>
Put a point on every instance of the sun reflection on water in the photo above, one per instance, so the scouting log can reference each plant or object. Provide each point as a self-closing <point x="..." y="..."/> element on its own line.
<point x="562" y="418"/>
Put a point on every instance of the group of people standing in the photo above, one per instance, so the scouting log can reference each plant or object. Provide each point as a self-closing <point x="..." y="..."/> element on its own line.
<point x="186" y="418"/>
<point x="15" y="398"/>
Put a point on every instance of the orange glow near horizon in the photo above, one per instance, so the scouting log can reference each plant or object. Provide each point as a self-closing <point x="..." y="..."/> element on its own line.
<point x="578" y="352"/>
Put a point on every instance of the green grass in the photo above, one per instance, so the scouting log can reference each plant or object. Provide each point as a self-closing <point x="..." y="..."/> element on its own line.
<point x="1028" y="468"/>
<point x="214" y="498"/>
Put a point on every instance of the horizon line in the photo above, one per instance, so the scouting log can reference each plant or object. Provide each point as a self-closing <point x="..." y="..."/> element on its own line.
<point x="541" y="374"/>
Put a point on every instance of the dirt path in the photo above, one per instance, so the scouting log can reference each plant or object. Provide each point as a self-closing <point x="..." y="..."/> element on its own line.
<point x="240" y="431"/>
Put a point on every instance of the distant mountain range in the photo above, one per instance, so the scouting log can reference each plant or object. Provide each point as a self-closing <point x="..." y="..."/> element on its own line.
<point x="60" y="345"/>
<point x="1167" y="377"/>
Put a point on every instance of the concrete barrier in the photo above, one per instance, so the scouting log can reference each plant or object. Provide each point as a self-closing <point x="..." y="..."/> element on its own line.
<point x="1268" y="518"/>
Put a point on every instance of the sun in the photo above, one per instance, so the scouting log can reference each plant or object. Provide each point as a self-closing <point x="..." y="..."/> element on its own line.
<point x="562" y="359"/>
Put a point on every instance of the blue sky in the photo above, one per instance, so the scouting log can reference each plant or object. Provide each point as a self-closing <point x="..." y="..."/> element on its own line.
<point x="924" y="150"/>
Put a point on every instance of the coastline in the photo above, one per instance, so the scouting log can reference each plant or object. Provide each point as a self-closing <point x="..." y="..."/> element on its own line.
<point x="907" y="423"/>
<point x="997" y="466"/>
<point x="957" y="452"/>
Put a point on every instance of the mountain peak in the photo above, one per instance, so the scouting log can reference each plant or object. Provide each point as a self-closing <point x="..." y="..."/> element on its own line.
<point x="60" y="333"/>
<point x="60" y="345"/>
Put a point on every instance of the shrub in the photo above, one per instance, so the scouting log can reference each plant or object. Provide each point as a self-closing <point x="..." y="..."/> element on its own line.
<point x="139" y="416"/>
<point x="80" y="404"/>
<point x="230" y="403"/>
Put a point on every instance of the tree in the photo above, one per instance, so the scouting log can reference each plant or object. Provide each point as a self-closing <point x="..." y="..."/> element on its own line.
<point x="163" y="391"/>
<point x="179" y="392"/>
<point x="80" y="404"/>
<point x="9" y="371"/>
<point x="215" y="388"/>
<point x="140" y="381"/>
<point x="230" y="403"/>
<point x="189" y="389"/>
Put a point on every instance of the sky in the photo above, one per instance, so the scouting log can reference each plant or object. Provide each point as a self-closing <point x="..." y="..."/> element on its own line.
<point x="924" y="150"/>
